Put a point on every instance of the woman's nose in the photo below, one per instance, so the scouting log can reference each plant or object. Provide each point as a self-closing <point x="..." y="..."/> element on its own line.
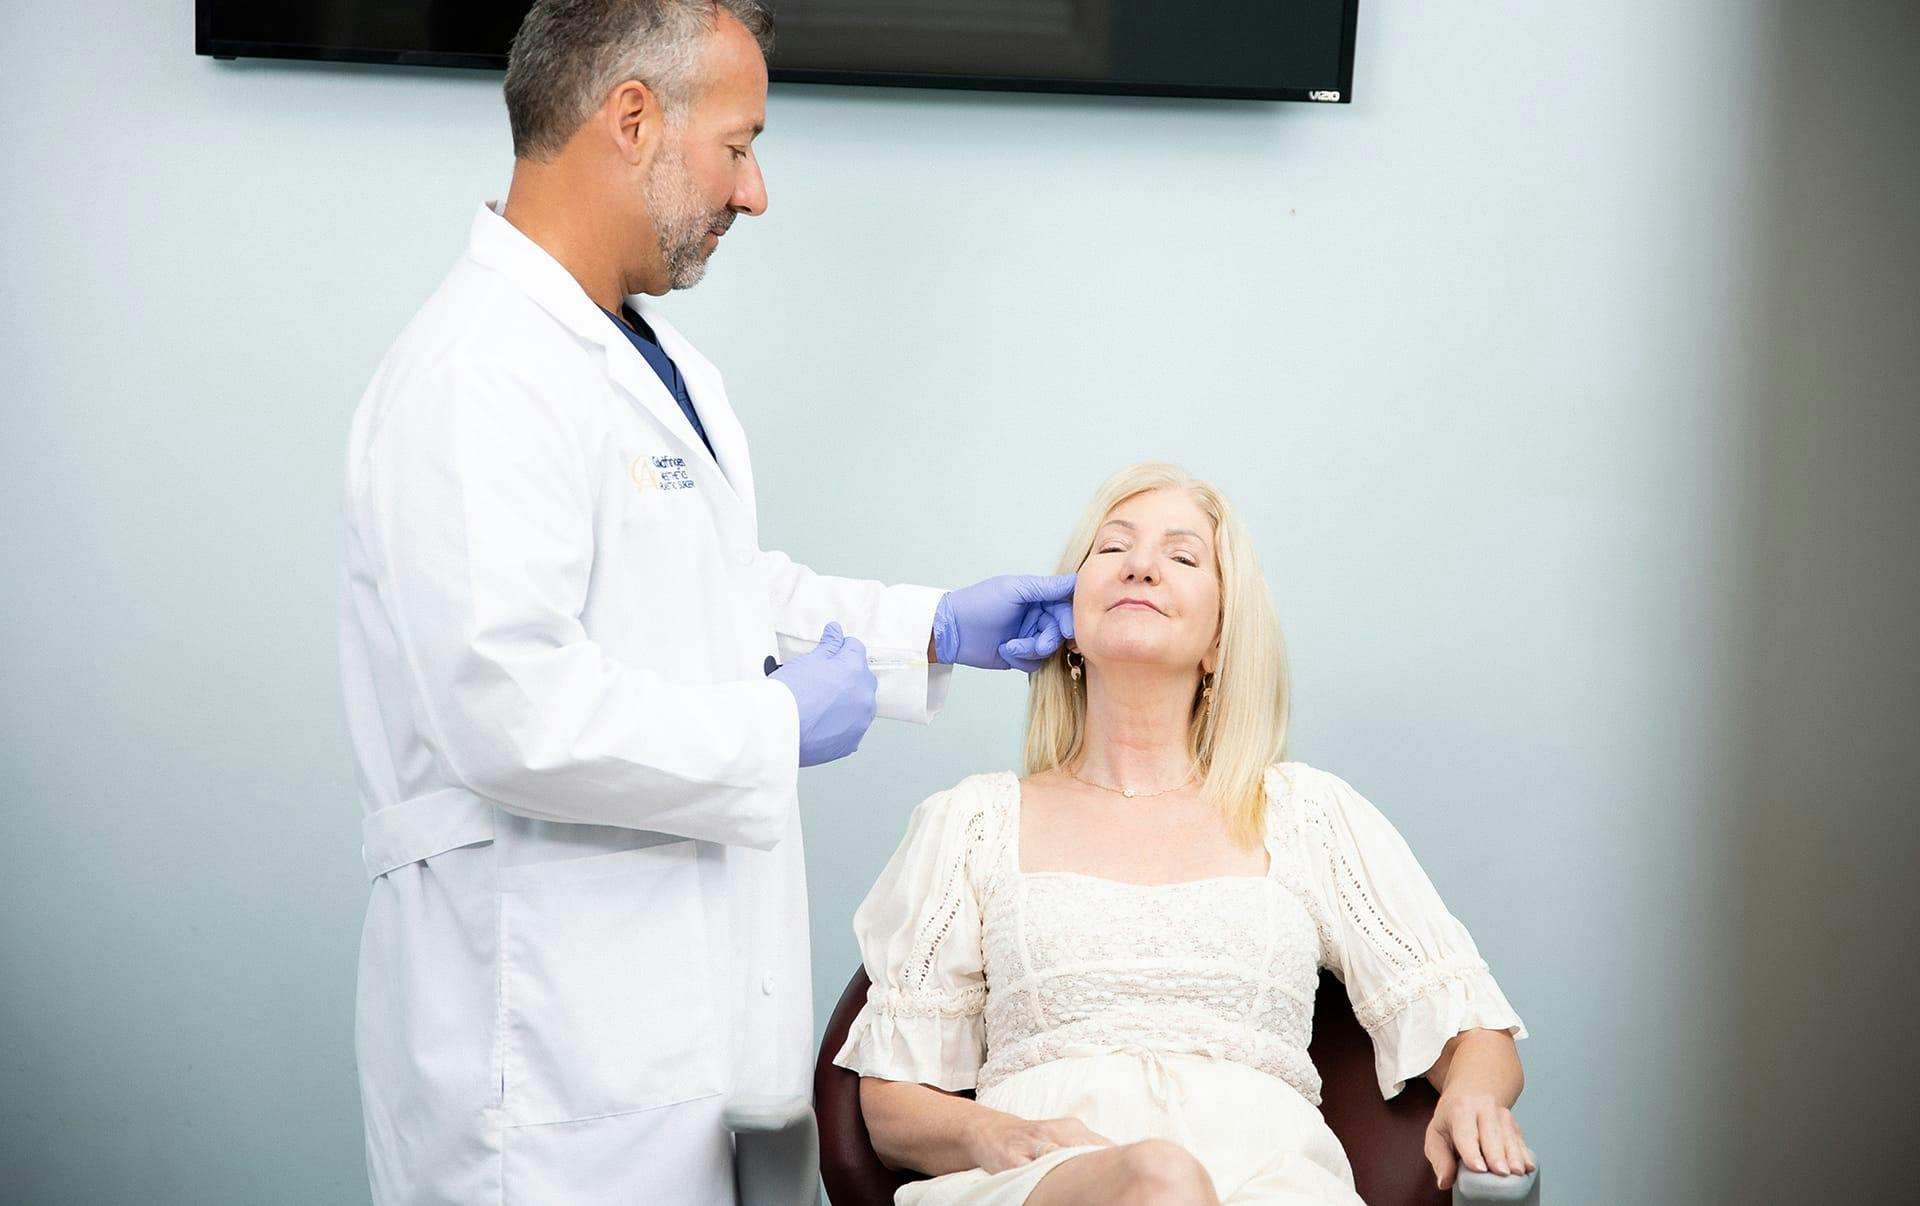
<point x="1142" y="569"/>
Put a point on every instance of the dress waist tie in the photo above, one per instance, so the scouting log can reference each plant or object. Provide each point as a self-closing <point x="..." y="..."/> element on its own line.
<point x="1160" y="1081"/>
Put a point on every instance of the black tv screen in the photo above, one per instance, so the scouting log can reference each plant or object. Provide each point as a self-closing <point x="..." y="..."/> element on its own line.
<point x="1250" y="49"/>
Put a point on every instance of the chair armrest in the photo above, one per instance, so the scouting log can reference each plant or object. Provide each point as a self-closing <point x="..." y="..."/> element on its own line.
<point x="776" y="1150"/>
<point x="1472" y="1188"/>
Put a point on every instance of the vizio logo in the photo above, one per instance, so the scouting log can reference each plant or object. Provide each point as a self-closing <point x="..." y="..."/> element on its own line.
<point x="1323" y="94"/>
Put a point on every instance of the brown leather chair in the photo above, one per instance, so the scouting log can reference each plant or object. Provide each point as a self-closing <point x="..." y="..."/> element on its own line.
<point x="1383" y="1138"/>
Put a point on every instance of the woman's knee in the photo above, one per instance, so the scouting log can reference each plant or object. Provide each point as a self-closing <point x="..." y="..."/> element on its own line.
<point x="1157" y="1172"/>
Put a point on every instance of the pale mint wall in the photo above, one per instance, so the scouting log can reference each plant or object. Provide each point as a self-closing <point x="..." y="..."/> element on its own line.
<point x="1559" y="427"/>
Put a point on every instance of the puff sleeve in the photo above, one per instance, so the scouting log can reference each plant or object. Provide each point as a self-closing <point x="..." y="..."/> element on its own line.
<point x="1411" y="969"/>
<point x="919" y="931"/>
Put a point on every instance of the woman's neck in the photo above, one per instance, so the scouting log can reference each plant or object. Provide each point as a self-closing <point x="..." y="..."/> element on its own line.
<point x="1136" y="735"/>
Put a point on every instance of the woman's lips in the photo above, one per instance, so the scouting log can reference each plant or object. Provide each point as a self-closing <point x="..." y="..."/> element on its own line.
<point x="1133" y="605"/>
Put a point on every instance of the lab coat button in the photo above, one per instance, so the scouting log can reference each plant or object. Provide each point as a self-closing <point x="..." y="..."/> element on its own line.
<point x="766" y="984"/>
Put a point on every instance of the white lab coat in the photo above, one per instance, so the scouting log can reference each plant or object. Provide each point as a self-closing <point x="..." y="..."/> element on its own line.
<point x="588" y="920"/>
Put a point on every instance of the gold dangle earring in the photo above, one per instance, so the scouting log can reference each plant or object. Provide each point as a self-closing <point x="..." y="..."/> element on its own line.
<point x="1074" y="661"/>
<point x="1206" y="695"/>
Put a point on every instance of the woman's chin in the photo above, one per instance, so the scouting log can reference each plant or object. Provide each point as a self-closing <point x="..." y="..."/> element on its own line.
<point x="1140" y="659"/>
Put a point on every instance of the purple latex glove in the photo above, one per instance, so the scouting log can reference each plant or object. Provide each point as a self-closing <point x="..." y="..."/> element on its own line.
<point x="834" y="690"/>
<point x="1015" y="621"/>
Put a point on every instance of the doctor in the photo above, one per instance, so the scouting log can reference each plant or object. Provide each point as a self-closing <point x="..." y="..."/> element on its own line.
<point x="588" y="920"/>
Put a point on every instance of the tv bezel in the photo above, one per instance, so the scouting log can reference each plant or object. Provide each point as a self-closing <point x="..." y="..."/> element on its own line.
<point x="232" y="48"/>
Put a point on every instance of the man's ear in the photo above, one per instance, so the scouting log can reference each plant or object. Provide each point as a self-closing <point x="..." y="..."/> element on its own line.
<point x="635" y="120"/>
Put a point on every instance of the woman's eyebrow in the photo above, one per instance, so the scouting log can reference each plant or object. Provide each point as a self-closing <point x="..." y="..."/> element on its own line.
<point x="1122" y="523"/>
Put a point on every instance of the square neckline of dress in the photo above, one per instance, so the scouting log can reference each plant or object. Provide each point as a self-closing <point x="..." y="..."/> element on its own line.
<point x="1017" y="795"/>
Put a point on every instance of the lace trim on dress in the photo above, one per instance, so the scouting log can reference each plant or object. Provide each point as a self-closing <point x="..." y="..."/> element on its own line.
<point x="1283" y="817"/>
<point x="1354" y="898"/>
<point x="960" y="1003"/>
<point x="1393" y="1000"/>
<point x="991" y="869"/>
<point x="933" y="931"/>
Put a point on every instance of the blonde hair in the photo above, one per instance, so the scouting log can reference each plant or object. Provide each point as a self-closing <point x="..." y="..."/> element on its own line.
<point x="1233" y="743"/>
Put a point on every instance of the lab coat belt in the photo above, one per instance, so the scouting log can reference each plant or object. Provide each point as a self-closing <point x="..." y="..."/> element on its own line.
<point x="422" y="827"/>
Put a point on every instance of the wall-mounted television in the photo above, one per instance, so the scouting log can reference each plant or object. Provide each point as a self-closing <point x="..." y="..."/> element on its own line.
<point x="1246" y="49"/>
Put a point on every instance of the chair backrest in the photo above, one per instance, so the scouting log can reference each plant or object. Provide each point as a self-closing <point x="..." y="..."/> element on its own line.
<point x="1383" y="1138"/>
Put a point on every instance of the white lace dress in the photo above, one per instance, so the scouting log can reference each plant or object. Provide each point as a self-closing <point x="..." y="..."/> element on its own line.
<point x="1179" y="1011"/>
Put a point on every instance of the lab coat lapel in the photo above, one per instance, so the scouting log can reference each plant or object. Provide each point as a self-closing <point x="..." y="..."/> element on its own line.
<point x="499" y="245"/>
<point x="709" y="399"/>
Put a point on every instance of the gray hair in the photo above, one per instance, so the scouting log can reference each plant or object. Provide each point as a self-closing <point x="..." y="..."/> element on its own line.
<point x="569" y="54"/>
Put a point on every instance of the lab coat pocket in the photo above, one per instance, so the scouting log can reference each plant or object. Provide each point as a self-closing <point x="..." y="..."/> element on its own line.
<point x="606" y="1002"/>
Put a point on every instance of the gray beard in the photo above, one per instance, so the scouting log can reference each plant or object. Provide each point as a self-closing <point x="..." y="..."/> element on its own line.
<point x="680" y="224"/>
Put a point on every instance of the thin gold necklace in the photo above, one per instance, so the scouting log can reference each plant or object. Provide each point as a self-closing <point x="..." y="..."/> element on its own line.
<point x="1131" y="794"/>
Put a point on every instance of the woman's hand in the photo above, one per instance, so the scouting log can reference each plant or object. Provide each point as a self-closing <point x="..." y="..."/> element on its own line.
<point x="1476" y="1130"/>
<point x="999" y="1141"/>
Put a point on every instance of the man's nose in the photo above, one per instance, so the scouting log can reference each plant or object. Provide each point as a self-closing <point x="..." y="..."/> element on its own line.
<point x="749" y="191"/>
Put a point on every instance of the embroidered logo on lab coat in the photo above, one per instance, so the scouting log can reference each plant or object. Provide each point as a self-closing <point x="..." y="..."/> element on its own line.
<point x="661" y="473"/>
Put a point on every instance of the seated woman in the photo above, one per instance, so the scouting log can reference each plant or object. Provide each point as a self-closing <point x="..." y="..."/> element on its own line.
<point x="1119" y="951"/>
